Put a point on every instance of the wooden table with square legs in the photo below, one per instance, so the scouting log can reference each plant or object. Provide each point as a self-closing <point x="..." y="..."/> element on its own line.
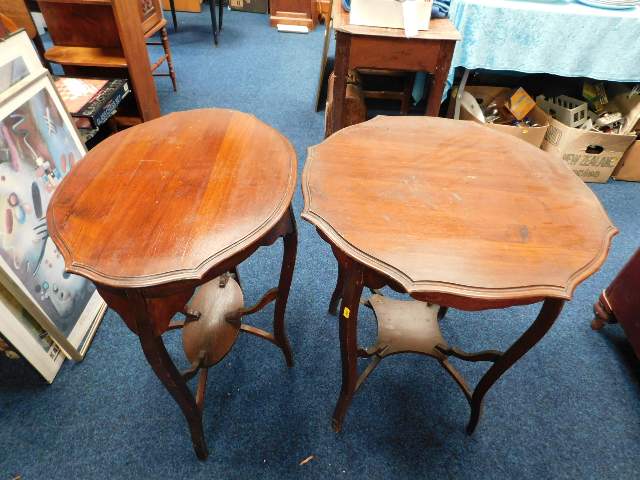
<point x="455" y="215"/>
<point x="380" y="48"/>
<point x="169" y="208"/>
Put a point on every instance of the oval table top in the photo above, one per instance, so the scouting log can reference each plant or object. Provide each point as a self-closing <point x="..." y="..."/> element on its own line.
<point x="455" y="208"/>
<point x="168" y="199"/>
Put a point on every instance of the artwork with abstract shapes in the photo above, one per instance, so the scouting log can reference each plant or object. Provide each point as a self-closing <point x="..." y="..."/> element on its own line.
<point x="36" y="151"/>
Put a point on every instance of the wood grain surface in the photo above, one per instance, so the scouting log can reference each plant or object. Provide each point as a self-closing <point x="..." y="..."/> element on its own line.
<point x="167" y="199"/>
<point x="453" y="207"/>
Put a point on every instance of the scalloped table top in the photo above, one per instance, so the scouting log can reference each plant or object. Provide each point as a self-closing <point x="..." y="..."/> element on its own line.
<point x="169" y="199"/>
<point x="455" y="208"/>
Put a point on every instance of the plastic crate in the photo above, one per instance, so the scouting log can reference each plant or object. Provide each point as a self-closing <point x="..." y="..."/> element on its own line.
<point x="568" y="110"/>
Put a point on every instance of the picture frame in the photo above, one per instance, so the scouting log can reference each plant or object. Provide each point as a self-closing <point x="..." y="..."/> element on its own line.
<point x="39" y="144"/>
<point x="19" y="63"/>
<point x="27" y="337"/>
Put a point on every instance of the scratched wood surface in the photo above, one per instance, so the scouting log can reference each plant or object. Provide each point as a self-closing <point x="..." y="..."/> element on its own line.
<point x="453" y="207"/>
<point x="138" y="212"/>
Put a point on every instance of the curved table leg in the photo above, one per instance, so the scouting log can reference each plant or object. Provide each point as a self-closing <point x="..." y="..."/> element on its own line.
<point x="337" y="292"/>
<point x="161" y="363"/>
<point x="548" y="314"/>
<point x="290" y="240"/>
<point x="353" y="285"/>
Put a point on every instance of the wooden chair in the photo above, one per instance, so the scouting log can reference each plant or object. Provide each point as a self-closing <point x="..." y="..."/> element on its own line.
<point x="17" y="12"/>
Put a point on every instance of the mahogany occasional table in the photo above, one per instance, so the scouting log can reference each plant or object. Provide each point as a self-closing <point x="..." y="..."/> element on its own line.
<point x="162" y="208"/>
<point x="456" y="215"/>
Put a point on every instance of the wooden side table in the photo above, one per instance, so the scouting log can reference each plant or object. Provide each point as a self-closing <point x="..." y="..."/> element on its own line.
<point x="177" y="203"/>
<point x="456" y="215"/>
<point x="388" y="49"/>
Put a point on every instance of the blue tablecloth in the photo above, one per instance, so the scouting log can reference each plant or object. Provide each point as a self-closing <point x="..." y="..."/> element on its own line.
<point x="562" y="38"/>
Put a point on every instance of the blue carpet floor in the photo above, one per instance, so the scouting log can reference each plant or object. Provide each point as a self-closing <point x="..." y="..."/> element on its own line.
<point x="569" y="409"/>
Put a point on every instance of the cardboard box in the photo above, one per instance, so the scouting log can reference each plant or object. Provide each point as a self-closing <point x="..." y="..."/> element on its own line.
<point x="255" y="6"/>
<point x="591" y="155"/>
<point x="184" y="5"/>
<point x="485" y="95"/>
<point x="629" y="107"/>
<point x="629" y="167"/>
<point x="389" y="13"/>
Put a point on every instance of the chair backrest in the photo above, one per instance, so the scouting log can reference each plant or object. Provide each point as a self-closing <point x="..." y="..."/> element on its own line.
<point x="18" y="13"/>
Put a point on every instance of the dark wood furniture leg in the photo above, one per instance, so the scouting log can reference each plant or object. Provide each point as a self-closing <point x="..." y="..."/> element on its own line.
<point x="144" y="318"/>
<point x="353" y="285"/>
<point x="549" y="312"/>
<point x="337" y="292"/>
<point x="214" y="22"/>
<point x="340" y="69"/>
<point x="37" y="41"/>
<point x="439" y="78"/>
<point x="220" y="11"/>
<point x="174" y="17"/>
<point x="603" y="313"/>
<point x="290" y="241"/>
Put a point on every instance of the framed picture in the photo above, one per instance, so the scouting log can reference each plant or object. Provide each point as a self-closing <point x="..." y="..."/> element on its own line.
<point x="19" y="62"/>
<point x="38" y="146"/>
<point x="28" y="337"/>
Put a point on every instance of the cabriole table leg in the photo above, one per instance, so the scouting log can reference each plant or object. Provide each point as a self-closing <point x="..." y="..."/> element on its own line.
<point x="353" y="285"/>
<point x="337" y="292"/>
<point x="549" y="312"/>
<point x="290" y="240"/>
<point x="164" y="368"/>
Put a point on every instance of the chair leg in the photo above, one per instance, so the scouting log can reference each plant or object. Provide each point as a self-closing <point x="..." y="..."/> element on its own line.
<point x="214" y="22"/>
<point x="167" y="51"/>
<point x="174" y="17"/>
<point x="220" y="11"/>
<point x="406" y="94"/>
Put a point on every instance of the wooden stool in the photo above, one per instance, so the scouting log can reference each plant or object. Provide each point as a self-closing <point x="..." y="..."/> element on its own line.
<point x="455" y="215"/>
<point x="169" y="208"/>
